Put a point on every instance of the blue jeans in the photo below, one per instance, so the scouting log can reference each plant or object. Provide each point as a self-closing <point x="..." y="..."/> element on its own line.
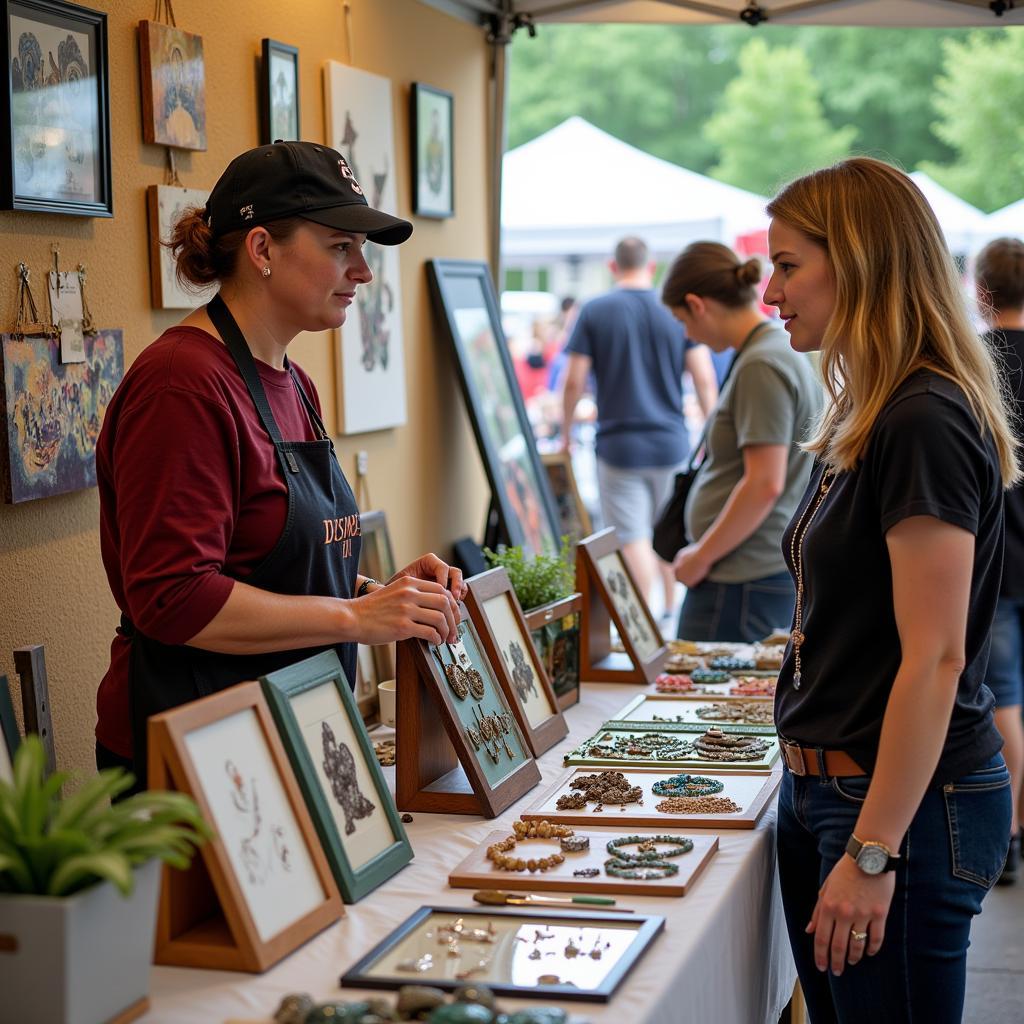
<point x="737" y="611"/>
<point x="1005" y="676"/>
<point x="951" y="855"/>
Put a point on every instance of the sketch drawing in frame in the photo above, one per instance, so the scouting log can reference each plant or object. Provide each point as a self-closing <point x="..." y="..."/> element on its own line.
<point x="55" y="152"/>
<point x="337" y="770"/>
<point x="173" y="86"/>
<point x="432" y="118"/>
<point x="165" y="205"/>
<point x="279" y="93"/>
<point x="371" y="365"/>
<point x="573" y="515"/>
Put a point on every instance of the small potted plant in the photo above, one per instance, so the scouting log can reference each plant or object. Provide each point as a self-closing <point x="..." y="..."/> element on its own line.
<point x="545" y="585"/>
<point x="79" y="880"/>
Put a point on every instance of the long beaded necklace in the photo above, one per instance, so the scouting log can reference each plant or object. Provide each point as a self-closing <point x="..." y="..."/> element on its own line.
<point x="796" y="552"/>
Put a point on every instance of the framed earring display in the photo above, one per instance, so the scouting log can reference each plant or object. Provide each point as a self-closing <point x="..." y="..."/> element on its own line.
<point x="432" y="118"/>
<point x="657" y="798"/>
<point x="591" y="953"/>
<point x="506" y="638"/>
<point x="574" y="519"/>
<point x="460" y="747"/>
<point x="468" y="310"/>
<point x="610" y="597"/>
<point x="54" y="99"/>
<point x="9" y="738"/>
<point x="262" y="886"/>
<point x="165" y="204"/>
<point x="173" y="86"/>
<point x="279" y="93"/>
<point x="337" y="770"/>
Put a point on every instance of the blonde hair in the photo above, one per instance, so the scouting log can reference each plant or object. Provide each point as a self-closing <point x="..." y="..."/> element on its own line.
<point x="899" y="306"/>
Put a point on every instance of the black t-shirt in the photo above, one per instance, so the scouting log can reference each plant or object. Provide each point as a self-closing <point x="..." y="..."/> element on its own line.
<point x="1009" y="345"/>
<point x="926" y="456"/>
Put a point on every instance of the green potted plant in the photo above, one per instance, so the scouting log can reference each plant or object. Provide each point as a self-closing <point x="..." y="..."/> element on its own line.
<point x="79" y="881"/>
<point x="545" y="585"/>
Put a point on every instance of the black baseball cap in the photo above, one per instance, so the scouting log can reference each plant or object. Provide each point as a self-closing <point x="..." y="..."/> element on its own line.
<point x="297" y="179"/>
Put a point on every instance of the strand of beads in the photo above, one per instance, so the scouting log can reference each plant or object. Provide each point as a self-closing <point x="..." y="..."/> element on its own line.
<point x="647" y="850"/>
<point x="523" y="830"/>
<point x="698" y="805"/>
<point x="749" y="712"/>
<point x="687" y="785"/>
<point x="648" y="871"/>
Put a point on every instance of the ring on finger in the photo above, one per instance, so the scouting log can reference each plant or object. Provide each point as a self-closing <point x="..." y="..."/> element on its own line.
<point x="857" y="936"/>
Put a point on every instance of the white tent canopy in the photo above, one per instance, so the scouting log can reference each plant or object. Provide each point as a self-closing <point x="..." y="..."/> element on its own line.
<point x="576" y="190"/>
<point x="966" y="228"/>
<point x="1007" y="221"/>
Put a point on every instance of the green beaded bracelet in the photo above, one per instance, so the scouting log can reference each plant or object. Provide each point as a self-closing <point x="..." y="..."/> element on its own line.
<point x="654" y="869"/>
<point x="687" y="785"/>
<point x="680" y="843"/>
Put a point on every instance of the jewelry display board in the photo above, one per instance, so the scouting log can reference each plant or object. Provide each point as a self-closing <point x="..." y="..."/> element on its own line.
<point x="477" y="872"/>
<point x="611" y="597"/>
<point x="668" y="711"/>
<point x="337" y="770"/>
<point x="506" y="638"/>
<point x="636" y="746"/>
<point x="460" y="748"/>
<point x="750" y="792"/>
<point x="262" y="886"/>
<point x="444" y="947"/>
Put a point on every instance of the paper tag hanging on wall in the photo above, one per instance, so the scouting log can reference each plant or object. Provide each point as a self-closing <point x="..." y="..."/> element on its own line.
<point x="66" y="314"/>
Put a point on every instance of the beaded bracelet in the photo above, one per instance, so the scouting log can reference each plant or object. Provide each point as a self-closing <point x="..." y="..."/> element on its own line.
<point x="646" y="845"/>
<point x="687" y="785"/>
<point x="730" y="664"/>
<point x="652" y="869"/>
<point x="707" y="675"/>
<point x="498" y="852"/>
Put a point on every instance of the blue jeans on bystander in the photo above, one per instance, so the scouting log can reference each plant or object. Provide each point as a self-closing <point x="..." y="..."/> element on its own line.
<point x="737" y="611"/>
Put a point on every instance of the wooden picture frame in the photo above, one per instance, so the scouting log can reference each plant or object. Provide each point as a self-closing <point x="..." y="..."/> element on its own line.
<point x="376" y="969"/>
<point x="9" y="736"/>
<point x="280" y="112"/>
<point x="477" y="872"/>
<point x="573" y="515"/>
<point x="598" y="559"/>
<point x="555" y="628"/>
<point x="468" y="310"/>
<point x="206" y="918"/>
<point x="376" y="560"/>
<point x="441" y="767"/>
<point x="432" y="147"/>
<point x="55" y="154"/>
<point x="751" y="792"/>
<point x="654" y="708"/>
<point x="309" y="689"/>
<point x="30" y="664"/>
<point x="509" y="646"/>
<point x="173" y="86"/>
<point x="165" y="205"/>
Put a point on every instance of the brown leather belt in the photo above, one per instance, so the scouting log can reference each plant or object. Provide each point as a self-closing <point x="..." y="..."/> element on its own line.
<point x="805" y="760"/>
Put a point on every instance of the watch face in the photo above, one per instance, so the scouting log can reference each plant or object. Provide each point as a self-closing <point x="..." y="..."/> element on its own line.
<point x="872" y="860"/>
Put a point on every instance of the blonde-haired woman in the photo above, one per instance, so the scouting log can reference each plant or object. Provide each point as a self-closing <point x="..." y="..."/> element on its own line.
<point x="895" y="806"/>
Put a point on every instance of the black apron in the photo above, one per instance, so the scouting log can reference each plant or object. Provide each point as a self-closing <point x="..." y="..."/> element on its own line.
<point x="317" y="553"/>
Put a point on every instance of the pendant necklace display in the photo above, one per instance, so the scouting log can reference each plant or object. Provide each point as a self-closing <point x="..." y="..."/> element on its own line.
<point x="461" y="659"/>
<point x="796" y="553"/>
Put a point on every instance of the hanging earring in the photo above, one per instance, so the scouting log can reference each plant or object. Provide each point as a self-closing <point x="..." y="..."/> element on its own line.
<point x="265" y="271"/>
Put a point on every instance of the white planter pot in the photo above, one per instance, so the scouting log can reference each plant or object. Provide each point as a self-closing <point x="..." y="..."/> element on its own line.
<point x="79" y="960"/>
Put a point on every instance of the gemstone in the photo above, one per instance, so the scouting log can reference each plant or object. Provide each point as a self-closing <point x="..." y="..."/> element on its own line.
<point x="462" y="1013"/>
<point x="539" y="1015"/>
<point x="332" y="1013"/>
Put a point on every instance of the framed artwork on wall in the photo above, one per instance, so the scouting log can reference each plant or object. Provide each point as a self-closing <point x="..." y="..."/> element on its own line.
<point x="337" y="770"/>
<point x="279" y="93"/>
<point x="506" y="638"/>
<point x="173" y="86"/>
<point x="371" y="366"/>
<point x="53" y="411"/>
<point x="432" y="120"/>
<point x="165" y="205"/>
<point x="9" y="738"/>
<point x="262" y="886"/>
<point x="468" y="309"/>
<point x="55" y="105"/>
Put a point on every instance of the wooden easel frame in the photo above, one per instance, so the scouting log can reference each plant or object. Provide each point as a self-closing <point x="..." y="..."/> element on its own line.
<point x="438" y="770"/>
<point x="9" y="736"/>
<point x="204" y="920"/>
<point x="484" y="588"/>
<point x="599" y="664"/>
<point x="30" y="664"/>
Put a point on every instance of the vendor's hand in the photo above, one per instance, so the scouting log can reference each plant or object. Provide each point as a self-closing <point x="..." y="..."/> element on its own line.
<point x="430" y="567"/>
<point x="849" y="901"/>
<point x="691" y="565"/>
<point x="407" y="607"/>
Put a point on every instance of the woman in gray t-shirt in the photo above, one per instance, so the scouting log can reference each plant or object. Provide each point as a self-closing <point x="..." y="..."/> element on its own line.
<point x="754" y="472"/>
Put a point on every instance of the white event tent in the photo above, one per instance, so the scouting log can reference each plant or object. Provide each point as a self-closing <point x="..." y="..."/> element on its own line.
<point x="966" y="228"/>
<point x="1007" y="221"/>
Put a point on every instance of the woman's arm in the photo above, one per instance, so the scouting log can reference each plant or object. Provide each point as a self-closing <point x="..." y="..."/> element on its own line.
<point x="705" y="381"/>
<point x="747" y="507"/>
<point x="932" y="564"/>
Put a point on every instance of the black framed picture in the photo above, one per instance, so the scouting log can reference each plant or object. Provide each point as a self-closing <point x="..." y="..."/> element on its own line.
<point x="279" y="93"/>
<point x="432" y="116"/>
<point x="520" y="493"/>
<point x="55" y="105"/>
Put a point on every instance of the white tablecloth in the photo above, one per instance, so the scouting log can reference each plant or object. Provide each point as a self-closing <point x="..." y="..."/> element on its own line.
<point x="723" y="956"/>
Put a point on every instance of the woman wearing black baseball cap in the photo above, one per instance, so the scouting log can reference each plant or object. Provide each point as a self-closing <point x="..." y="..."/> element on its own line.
<point x="229" y="533"/>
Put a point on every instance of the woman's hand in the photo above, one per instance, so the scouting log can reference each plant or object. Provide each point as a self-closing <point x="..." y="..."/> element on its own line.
<point x="430" y="567"/>
<point x="691" y="565"/>
<point x="408" y="606"/>
<point x="850" y="901"/>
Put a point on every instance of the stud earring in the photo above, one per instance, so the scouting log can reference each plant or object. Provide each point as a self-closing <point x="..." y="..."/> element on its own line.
<point x="265" y="271"/>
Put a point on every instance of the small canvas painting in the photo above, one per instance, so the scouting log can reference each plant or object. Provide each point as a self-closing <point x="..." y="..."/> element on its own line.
<point x="173" y="86"/>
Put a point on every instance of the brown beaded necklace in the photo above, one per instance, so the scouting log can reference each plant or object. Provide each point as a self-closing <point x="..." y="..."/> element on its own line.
<point x="796" y="552"/>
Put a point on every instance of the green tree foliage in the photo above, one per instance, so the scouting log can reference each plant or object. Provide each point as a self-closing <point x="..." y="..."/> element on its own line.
<point x="771" y="125"/>
<point x="980" y="103"/>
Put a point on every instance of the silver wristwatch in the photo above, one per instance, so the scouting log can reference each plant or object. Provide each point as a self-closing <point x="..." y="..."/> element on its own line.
<point x="871" y="857"/>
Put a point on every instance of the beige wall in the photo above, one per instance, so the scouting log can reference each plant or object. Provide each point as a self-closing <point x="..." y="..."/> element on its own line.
<point x="426" y="475"/>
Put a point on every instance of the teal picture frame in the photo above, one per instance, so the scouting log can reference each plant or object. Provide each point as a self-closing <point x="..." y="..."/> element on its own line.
<point x="303" y="682"/>
<point x="9" y="736"/>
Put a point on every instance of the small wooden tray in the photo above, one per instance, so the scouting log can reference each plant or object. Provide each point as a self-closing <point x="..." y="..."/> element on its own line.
<point x="752" y="792"/>
<point x="477" y="872"/>
<point x="644" y="707"/>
